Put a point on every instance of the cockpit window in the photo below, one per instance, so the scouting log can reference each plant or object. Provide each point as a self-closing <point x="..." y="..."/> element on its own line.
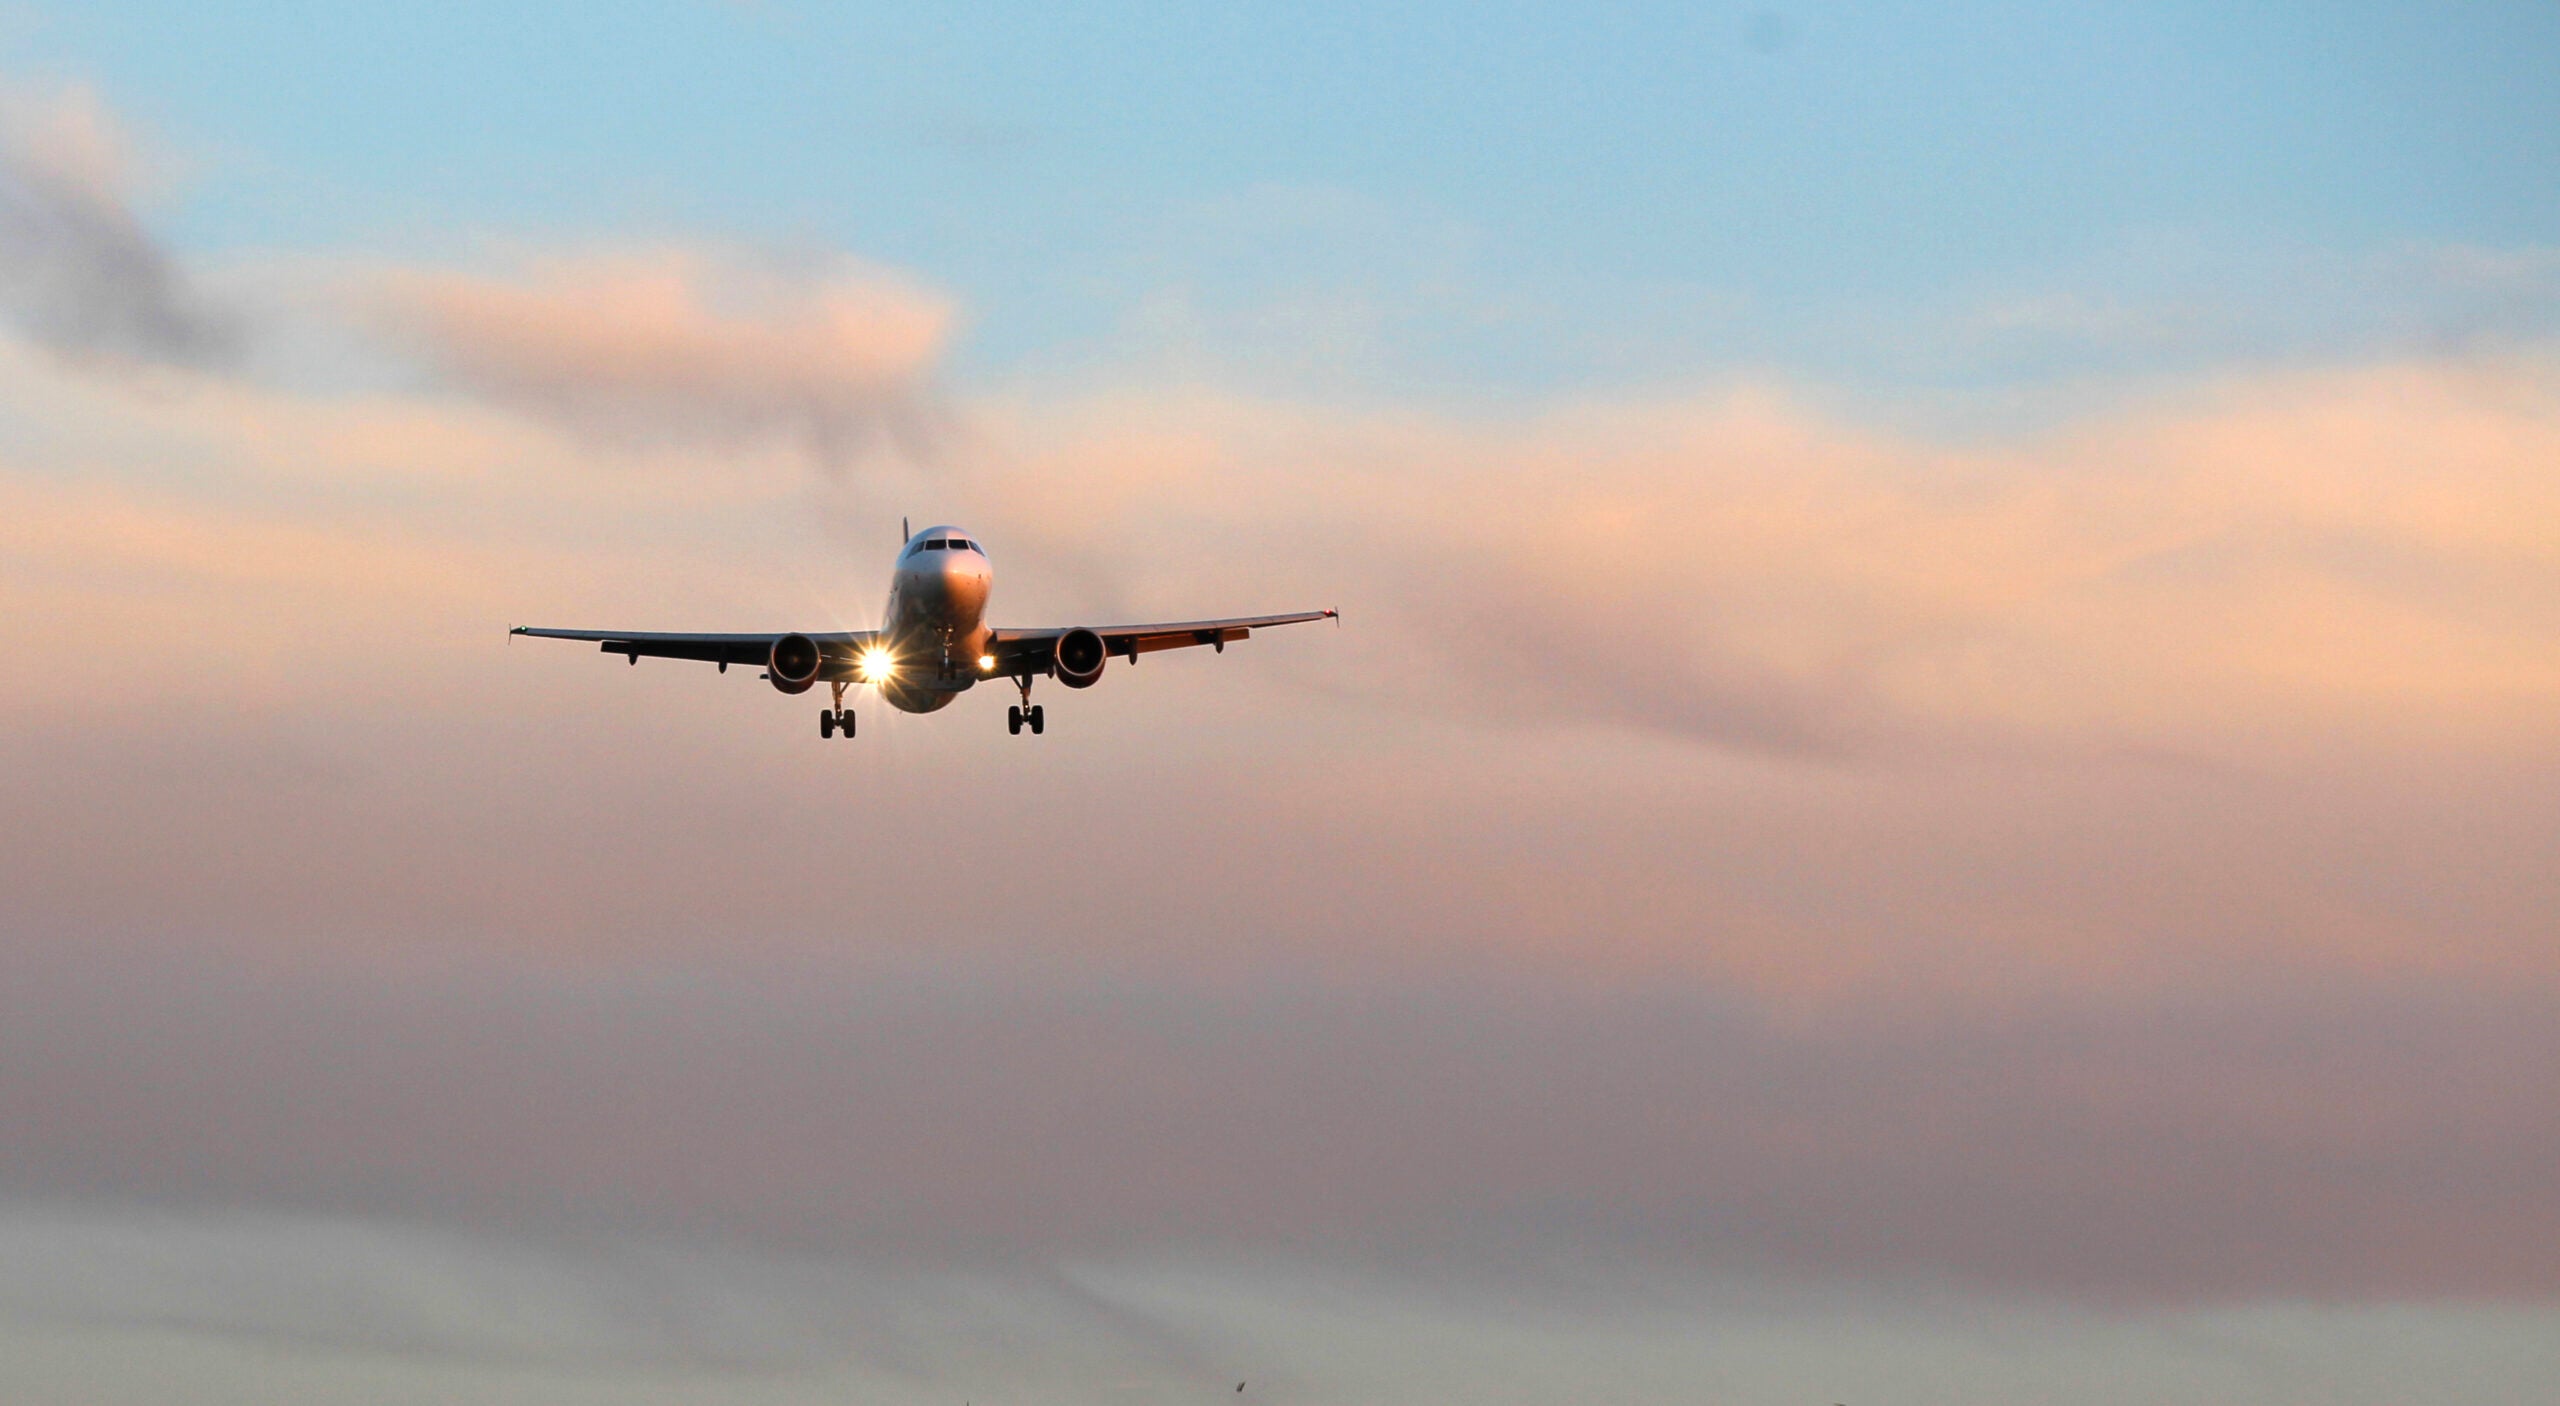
<point x="937" y="545"/>
<point x="958" y="545"/>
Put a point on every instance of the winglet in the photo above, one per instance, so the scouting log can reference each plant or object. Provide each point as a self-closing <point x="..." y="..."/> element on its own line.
<point x="905" y="533"/>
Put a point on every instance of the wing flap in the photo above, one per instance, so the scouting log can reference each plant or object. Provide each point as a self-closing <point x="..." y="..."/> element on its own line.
<point x="1149" y="641"/>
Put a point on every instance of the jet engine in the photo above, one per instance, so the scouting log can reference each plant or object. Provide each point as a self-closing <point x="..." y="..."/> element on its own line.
<point x="794" y="664"/>
<point x="1080" y="657"/>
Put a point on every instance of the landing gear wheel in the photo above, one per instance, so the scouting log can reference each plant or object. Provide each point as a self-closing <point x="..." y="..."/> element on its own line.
<point x="831" y="720"/>
<point x="1013" y="719"/>
<point x="1039" y="719"/>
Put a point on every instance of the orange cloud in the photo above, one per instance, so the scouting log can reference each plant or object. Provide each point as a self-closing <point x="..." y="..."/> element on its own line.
<point x="2269" y="564"/>
<point x="2093" y="708"/>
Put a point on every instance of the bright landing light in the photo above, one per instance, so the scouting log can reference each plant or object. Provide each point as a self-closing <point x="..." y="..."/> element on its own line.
<point x="877" y="664"/>
<point x="986" y="663"/>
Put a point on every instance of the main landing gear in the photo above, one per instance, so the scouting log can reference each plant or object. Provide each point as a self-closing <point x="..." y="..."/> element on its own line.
<point x="838" y="718"/>
<point x="1029" y="714"/>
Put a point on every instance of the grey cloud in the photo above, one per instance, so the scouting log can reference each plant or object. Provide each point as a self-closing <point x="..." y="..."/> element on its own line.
<point x="397" y="1289"/>
<point x="2339" y="1142"/>
<point x="125" y="1304"/>
<point x="78" y="271"/>
<point x="1514" y="649"/>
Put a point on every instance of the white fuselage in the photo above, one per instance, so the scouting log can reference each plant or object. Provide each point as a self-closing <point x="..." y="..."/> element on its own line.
<point x="935" y="623"/>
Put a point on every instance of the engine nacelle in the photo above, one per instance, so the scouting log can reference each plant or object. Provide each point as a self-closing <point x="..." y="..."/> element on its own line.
<point x="1080" y="657"/>
<point x="794" y="663"/>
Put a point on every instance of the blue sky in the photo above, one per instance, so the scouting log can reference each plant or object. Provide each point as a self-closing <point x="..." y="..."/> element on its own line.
<point x="1507" y="191"/>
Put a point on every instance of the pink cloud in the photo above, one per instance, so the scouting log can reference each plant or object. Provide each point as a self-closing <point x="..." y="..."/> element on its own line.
<point x="2098" y="710"/>
<point x="2262" y="565"/>
<point x="682" y="344"/>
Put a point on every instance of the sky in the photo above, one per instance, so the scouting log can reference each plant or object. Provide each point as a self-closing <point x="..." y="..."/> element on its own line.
<point x="1938" y="783"/>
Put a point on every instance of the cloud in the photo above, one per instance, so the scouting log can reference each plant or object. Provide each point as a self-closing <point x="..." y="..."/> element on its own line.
<point x="1715" y="689"/>
<point x="1890" y="949"/>
<point x="2234" y="567"/>
<point x="2341" y="1142"/>
<point x="115" y="1305"/>
<point x="78" y="272"/>
<point x="683" y="346"/>
<point x="2172" y="305"/>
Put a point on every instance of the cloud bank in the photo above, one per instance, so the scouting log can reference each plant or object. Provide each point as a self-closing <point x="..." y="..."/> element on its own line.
<point x="2340" y="1143"/>
<point x="2142" y="900"/>
<point x="2104" y="863"/>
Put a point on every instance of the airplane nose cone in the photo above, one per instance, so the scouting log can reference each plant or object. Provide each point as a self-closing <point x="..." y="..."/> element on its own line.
<point x="964" y="579"/>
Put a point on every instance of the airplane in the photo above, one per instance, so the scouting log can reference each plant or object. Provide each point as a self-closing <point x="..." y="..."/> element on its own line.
<point x="935" y="644"/>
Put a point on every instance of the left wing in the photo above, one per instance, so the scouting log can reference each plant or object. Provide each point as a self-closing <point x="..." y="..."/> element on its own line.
<point x="1030" y="651"/>
<point x="839" y="648"/>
